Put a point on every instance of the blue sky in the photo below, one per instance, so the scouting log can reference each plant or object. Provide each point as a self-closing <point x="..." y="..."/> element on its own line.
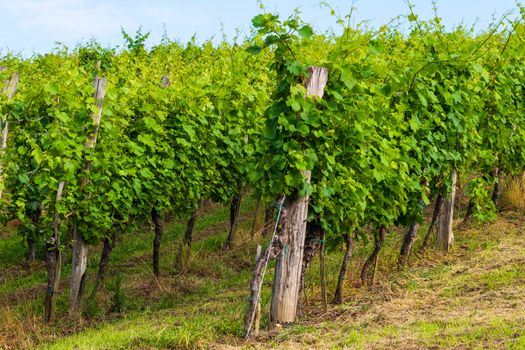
<point x="35" y="25"/>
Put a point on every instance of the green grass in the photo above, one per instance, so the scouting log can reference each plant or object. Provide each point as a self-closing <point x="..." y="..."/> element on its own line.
<point x="503" y="276"/>
<point x="146" y="330"/>
<point x="470" y="298"/>
<point x="10" y="246"/>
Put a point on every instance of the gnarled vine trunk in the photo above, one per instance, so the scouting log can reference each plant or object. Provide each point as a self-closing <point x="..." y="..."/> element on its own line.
<point x="468" y="214"/>
<point x="496" y="192"/>
<point x="268" y="221"/>
<point x="255" y="216"/>
<point x="185" y="245"/>
<point x="435" y="215"/>
<point x="78" y="272"/>
<point x="445" y="235"/>
<point x="349" y="243"/>
<point x="31" y="248"/>
<point x="157" y="223"/>
<point x="312" y="245"/>
<point x="369" y="269"/>
<point x="107" y="248"/>
<point x="408" y="241"/>
<point x="31" y="244"/>
<point x="53" y="263"/>
<point x="235" y="212"/>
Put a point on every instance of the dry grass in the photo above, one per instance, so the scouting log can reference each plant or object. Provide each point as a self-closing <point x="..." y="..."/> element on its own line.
<point x="473" y="297"/>
<point x="513" y="195"/>
<point x="17" y="331"/>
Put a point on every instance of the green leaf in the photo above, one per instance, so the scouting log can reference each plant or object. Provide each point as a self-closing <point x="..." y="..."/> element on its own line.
<point x="190" y="131"/>
<point x="289" y="179"/>
<point x="296" y="106"/>
<point x="182" y="142"/>
<point x="258" y="21"/>
<point x="422" y="99"/>
<point x="254" y="50"/>
<point x="300" y="163"/>
<point x="386" y="89"/>
<point x="328" y="191"/>
<point x="303" y="129"/>
<point x="305" y="31"/>
<point x="23" y="178"/>
<point x="307" y="190"/>
<point x="37" y="155"/>
<point x="347" y="78"/>
<point x="271" y="39"/>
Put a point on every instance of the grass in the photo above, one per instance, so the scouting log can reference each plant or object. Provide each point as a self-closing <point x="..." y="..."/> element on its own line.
<point x="10" y="248"/>
<point x="473" y="297"/>
<point x="514" y="193"/>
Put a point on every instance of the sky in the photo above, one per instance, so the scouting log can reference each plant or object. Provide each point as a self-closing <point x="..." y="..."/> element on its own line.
<point x="35" y="26"/>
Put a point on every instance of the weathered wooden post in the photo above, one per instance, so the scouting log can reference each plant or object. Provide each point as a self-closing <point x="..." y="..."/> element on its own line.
<point x="445" y="236"/>
<point x="80" y="247"/>
<point x="9" y="90"/>
<point x="287" y="281"/>
<point x="257" y="321"/>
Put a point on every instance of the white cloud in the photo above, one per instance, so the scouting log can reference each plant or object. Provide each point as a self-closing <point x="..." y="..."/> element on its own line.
<point x="66" y="19"/>
<point x="73" y="20"/>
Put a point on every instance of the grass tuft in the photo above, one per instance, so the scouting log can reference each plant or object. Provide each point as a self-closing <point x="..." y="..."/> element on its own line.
<point x="513" y="195"/>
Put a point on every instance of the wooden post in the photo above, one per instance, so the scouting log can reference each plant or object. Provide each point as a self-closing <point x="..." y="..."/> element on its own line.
<point x="165" y="81"/>
<point x="445" y="236"/>
<point x="80" y="248"/>
<point x="287" y="280"/>
<point x="257" y="321"/>
<point x="9" y="90"/>
<point x="53" y="262"/>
